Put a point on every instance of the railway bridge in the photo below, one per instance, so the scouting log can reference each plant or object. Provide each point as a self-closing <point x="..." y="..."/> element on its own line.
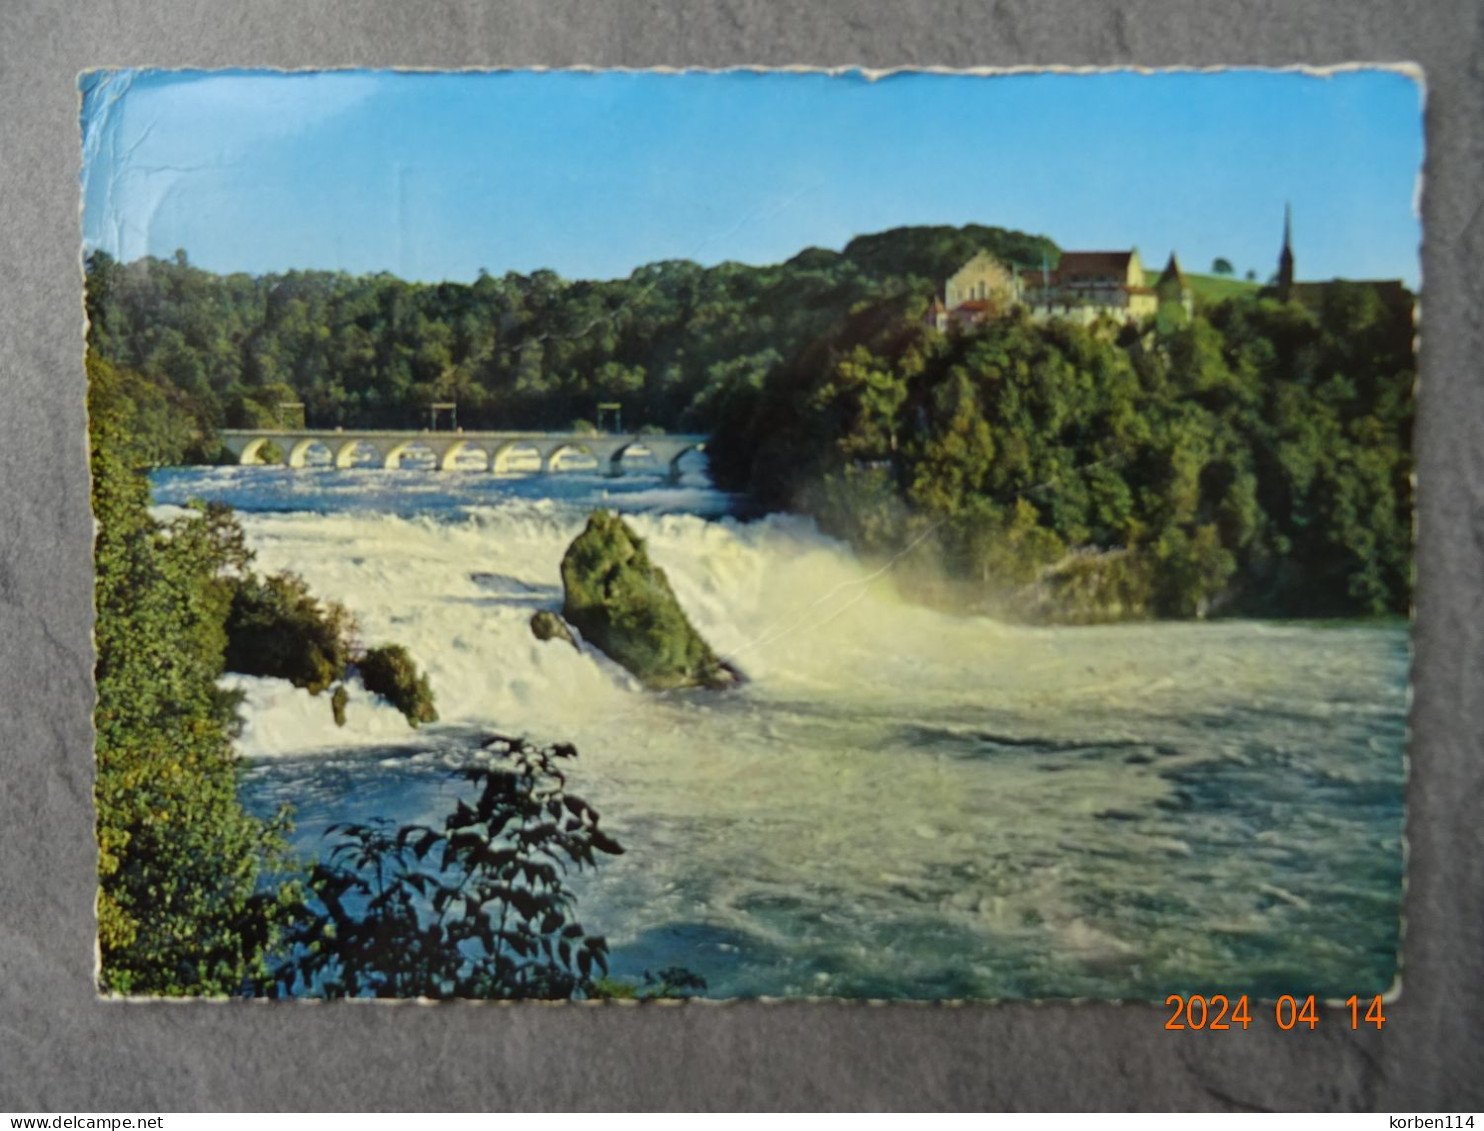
<point x="502" y="452"/>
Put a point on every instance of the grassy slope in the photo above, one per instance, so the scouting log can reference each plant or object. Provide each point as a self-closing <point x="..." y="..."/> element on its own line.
<point x="1214" y="288"/>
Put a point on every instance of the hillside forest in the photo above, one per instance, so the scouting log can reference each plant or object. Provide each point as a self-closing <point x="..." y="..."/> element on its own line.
<point x="1252" y="459"/>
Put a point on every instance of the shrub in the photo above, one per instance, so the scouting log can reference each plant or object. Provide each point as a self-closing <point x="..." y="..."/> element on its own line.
<point x="475" y="909"/>
<point x="388" y="671"/>
<point x="276" y="628"/>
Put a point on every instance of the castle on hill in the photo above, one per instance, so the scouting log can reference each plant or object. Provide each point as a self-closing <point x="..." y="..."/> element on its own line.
<point x="1084" y="287"/>
<point x="1089" y="285"/>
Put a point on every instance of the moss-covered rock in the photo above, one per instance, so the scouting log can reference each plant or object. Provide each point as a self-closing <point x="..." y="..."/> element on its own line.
<point x="388" y="671"/>
<point x="339" y="700"/>
<point x="546" y="625"/>
<point x="622" y="603"/>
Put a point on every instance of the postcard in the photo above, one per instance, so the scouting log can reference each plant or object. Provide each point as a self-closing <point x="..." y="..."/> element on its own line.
<point x="619" y="535"/>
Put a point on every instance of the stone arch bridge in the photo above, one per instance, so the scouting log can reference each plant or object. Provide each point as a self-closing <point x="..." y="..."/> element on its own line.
<point x="502" y="451"/>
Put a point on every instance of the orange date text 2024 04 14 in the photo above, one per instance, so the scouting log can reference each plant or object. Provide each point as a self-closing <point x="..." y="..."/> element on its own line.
<point x="1198" y="1011"/>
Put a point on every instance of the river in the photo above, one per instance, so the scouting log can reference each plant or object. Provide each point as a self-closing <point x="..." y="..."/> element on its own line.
<point x="900" y="803"/>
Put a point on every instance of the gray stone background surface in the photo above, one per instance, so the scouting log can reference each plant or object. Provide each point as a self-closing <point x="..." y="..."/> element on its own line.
<point x="62" y="1050"/>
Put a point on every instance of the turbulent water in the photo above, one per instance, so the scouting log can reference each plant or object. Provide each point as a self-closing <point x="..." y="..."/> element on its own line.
<point x="900" y="803"/>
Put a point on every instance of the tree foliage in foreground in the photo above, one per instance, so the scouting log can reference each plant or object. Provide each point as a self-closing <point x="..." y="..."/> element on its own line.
<point x="181" y="906"/>
<point x="185" y="903"/>
<point x="477" y="908"/>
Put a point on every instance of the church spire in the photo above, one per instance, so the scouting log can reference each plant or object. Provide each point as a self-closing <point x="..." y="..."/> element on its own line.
<point x="1285" y="257"/>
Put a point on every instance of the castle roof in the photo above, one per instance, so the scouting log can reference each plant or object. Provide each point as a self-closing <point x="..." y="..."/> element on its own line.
<point x="1172" y="271"/>
<point x="1093" y="264"/>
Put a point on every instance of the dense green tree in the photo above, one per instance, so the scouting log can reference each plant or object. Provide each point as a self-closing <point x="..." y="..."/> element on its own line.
<point x="667" y="343"/>
<point x="1256" y="460"/>
<point x="276" y="627"/>
<point x="181" y="909"/>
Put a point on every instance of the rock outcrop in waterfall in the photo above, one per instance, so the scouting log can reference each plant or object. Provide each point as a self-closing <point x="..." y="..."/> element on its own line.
<point x="622" y="603"/>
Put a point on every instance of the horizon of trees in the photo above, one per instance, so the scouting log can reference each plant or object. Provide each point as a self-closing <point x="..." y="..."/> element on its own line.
<point x="513" y="351"/>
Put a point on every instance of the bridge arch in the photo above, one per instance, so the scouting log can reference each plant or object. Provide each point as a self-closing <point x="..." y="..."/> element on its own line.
<point x="416" y="445"/>
<point x="634" y="447"/>
<point x="698" y="446"/>
<point x="450" y="460"/>
<point x="507" y="452"/>
<point x="551" y="461"/>
<point x="346" y="453"/>
<point x="502" y="458"/>
<point x="299" y="454"/>
<point x="253" y="450"/>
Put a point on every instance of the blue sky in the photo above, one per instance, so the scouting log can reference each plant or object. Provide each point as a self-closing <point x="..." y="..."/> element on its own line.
<point x="433" y="176"/>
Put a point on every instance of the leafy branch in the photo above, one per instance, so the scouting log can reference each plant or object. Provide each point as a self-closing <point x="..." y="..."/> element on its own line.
<point x="478" y="908"/>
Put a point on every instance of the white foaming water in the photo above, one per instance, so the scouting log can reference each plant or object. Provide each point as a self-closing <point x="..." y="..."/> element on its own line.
<point x="900" y="803"/>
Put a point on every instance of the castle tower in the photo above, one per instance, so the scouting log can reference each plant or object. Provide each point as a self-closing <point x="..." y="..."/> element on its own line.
<point x="1285" y="257"/>
<point x="1172" y="287"/>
